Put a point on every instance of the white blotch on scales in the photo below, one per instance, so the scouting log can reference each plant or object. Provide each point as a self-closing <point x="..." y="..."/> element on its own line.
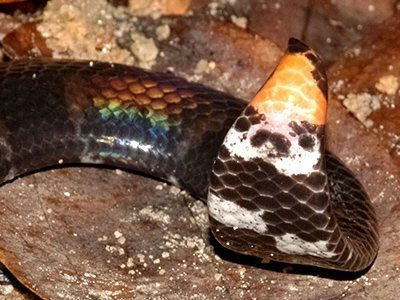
<point x="298" y="161"/>
<point x="233" y="215"/>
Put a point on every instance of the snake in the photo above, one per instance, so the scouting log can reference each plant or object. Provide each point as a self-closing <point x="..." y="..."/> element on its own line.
<point x="272" y="188"/>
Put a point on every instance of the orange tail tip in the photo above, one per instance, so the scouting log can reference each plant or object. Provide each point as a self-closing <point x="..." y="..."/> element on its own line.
<point x="297" y="89"/>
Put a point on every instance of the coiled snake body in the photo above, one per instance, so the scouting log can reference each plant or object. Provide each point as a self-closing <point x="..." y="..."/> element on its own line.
<point x="272" y="189"/>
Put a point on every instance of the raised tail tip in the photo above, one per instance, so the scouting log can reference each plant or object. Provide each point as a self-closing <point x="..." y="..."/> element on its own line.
<point x="297" y="46"/>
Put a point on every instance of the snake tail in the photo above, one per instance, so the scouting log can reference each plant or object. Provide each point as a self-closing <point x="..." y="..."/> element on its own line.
<point x="275" y="193"/>
<point x="272" y="189"/>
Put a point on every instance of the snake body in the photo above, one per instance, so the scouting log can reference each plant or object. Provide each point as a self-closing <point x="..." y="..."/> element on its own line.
<point x="272" y="189"/>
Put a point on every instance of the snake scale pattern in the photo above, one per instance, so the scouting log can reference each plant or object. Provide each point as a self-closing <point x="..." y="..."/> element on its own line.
<point x="272" y="189"/>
